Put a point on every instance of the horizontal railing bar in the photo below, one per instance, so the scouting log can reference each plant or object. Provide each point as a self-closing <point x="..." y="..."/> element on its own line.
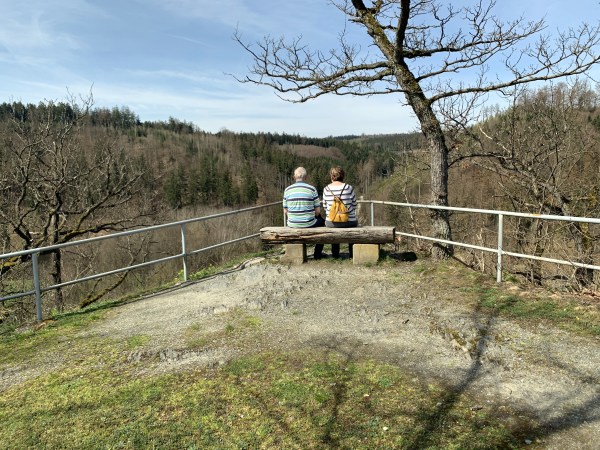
<point x="125" y="269"/>
<point x="112" y="272"/>
<point x="459" y="244"/>
<point x="20" y="294"/>
<point x="495" y="250"/>
<point x="488" y="211"/>
<point x="551" y="260"/>
<point x="223" y="243"/>
<point x="131" y="232"/>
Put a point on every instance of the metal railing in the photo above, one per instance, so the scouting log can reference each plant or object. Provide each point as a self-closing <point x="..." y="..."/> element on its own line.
<point x="183" y="255"/>
<point x="185" y="252"/>
<point x="498" y="250"/>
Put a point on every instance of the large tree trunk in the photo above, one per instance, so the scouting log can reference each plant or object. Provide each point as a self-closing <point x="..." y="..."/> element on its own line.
<point x="440" y="220"/>
<point x="438" y="151"/>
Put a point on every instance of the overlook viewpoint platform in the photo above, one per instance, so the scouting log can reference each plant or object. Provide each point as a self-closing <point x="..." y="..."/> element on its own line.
<point x="434" y="322"/>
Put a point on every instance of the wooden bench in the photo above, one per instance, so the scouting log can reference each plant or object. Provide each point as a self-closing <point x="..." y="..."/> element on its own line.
<point x="366" y="240"/>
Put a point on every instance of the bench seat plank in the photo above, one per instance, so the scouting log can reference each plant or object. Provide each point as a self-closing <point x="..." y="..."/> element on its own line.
<point x="325" y="235"/>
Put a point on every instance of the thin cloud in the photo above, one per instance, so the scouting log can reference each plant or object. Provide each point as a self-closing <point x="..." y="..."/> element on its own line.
<point x="34" y="33"/>
<point x="247" y="15"/>
<point x="188" y="39"/>
<point x="215" y="80"/>
<point x="228" y="12"/>
<point x="39" y="25"/>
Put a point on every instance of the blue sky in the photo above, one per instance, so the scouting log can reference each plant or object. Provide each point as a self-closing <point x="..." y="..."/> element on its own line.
<point x="169" y="58"/>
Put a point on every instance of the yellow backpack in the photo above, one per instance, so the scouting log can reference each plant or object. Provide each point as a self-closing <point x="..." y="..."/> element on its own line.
<point x="338" y="211"/>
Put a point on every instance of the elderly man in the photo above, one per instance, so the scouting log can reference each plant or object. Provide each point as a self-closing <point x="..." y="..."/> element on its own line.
<point x="302" y="207"/>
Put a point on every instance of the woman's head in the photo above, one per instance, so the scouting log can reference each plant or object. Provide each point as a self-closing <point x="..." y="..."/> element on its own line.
<point x="336" y="173"/>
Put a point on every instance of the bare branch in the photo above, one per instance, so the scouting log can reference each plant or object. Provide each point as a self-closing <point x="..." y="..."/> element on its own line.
<point x="55" y="188"/>
<point x="434" y="42"/>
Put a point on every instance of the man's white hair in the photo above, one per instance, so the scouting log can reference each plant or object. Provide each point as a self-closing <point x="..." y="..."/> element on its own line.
<point x="300" y="174"/>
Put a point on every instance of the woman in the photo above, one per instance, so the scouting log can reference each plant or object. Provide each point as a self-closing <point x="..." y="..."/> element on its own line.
<point x="345" y="192"/>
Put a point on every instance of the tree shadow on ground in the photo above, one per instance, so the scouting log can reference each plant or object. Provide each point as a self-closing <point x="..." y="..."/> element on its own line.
<point x="525" y="424"/>
<point x="431" y="419"/>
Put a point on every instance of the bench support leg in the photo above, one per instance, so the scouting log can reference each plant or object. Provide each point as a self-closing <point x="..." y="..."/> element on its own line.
<point x="365" y="254"/>
<point x="294" y="253"/>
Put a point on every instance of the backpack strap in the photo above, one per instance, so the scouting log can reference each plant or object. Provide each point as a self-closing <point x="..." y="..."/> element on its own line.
<point x="349" y="207"/>
<point x="331" y="192"/>
<point x="336" y="197"/>
<point x="342" y="191"/>
<point x="339" y="197"/>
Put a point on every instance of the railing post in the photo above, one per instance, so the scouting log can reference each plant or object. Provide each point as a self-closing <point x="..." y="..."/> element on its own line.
<point x="372" y="214"/>
<point x="499" y="264"/>
<point x="184" y="252"/>
<point x="36" y="285"/>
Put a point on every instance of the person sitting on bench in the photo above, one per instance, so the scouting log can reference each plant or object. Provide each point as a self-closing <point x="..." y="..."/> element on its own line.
<point x="302" y="207"/>
<point x="344" y="193"/>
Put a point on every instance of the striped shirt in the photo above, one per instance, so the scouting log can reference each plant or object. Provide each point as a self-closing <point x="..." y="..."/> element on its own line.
<point x="301" y="199"/>
<point x="346" y="193"/>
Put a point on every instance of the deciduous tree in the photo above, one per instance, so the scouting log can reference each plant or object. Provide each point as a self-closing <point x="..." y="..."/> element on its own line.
<point x="544" y="154"/>
<point x="442" y="59"/>
<point x="56" y="189"/>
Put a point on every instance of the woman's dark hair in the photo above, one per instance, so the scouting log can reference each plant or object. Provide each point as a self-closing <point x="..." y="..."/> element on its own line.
<point x="336" y="173"/>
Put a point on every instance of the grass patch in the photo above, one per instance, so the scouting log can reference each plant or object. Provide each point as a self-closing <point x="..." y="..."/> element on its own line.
<point x="263" y="401"/>
<point x="195" y="337"/>
<point x="136" y="341"/>
<point x="562" y="312"/>
<point x="237" y="325"/>
<point x="22" y="345"/>
<point x="449" y="279"/>
<point x="239" y="322"/>
<point x="420" y="268"/>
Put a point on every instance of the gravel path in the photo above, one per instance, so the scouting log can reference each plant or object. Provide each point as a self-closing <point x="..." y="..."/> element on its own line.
<point x="389" y="312"/>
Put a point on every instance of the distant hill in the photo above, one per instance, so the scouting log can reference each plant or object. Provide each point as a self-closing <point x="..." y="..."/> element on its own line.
<point x="403" y="141"/>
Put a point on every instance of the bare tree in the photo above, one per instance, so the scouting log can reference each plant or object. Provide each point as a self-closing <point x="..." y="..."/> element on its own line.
<point x="54" y="188"/>
<point x="544" y="154"/>
<point x="422" y="48"/>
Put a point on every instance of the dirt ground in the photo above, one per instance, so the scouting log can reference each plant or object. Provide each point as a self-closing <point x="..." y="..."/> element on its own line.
<point x="394" y="312"/>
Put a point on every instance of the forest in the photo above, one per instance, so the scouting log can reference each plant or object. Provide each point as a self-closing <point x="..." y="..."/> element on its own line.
<point x="71" y="170"/>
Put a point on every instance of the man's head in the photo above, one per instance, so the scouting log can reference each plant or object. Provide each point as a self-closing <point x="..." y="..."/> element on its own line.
<point x="300" y="174"/>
